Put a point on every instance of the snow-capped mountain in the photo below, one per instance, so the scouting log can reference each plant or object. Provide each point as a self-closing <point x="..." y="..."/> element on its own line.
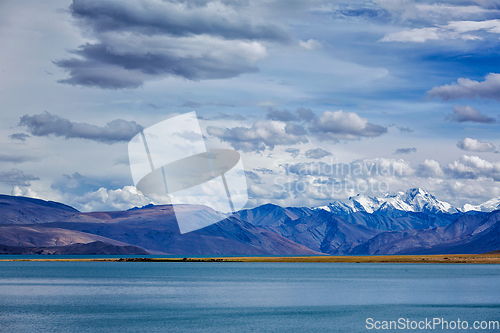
<point x="488" y="206"/>
<point x="413" y="200"/>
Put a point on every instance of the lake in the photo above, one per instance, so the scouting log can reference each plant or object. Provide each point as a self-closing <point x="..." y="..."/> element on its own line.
<point x="240" y="297"/>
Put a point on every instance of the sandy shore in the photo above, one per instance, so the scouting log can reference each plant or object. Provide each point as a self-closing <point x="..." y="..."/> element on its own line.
<point x="441" y="259"/>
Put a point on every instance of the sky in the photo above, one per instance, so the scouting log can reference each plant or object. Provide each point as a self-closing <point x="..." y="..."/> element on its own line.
<point x="322" y="99"/>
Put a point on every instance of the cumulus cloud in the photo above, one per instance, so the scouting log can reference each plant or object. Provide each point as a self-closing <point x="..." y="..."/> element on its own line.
<point x="109" y="200"/>
<point x="284" y="128"/>
<point x="430" y="168"/>
<point x="19" y="136"/>
<point x="16" y="177"/>
<point x="341" y="125"/>
<point x="136" y="41"/>
<point x="473" y="167"/>
<point x="400" y="151"/>
<point x="467" y="88"/>
<point x="474" y="145"/>
<point x="317" y="153"/>
<point x="263" y="134"/>
<point x="46" y="124"/>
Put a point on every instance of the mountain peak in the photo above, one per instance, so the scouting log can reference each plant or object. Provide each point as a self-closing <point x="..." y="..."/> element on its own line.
<point x="413" y="200"/>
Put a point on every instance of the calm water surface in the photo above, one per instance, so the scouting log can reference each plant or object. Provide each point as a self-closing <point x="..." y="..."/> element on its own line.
<point x="239" y="297"/>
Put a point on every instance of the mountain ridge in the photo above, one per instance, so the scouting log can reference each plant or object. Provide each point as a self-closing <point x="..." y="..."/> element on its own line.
<point x="410" y="222"/>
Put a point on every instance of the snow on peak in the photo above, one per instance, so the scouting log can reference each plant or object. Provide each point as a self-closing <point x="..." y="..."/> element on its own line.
<point x="413" y="200"/>
<point x="487" y="206"/>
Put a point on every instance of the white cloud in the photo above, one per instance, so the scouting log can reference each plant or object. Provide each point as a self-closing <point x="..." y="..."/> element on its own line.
<point x="109" y="200"/>
<point x="430" y="168"/>
<point x="473" y="167"/>
<point x="311" y="44"/>
<point x="340" y="125"/>
<point x="415" y="35"/>
<point x="475" y="145"/>
<point x="453" y="30"/>
<point x="263" y="134"/>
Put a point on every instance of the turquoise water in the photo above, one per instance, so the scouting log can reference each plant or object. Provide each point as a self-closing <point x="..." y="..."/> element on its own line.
<point x="239" y="297"/>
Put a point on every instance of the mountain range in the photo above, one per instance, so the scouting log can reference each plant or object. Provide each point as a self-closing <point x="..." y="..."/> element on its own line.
<point x="411" y="222"/>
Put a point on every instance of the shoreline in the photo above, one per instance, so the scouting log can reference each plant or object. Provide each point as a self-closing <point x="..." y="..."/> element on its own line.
<point x="408" y="259"/>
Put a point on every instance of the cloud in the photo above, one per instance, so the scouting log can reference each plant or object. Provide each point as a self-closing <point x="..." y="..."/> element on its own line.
<point x="412" y="11"/>
<point x="283" y="115"/>
<point x="254" y="177"/>
<point x="474" y="145"/>
<point x="415" y="35"/>
<point x="224" y="116"/>
<point x="19" y="136"/>
<point x="311" y="44"/>
<point x="467" y="88"/>
<point x="16" y="177"/>
<point x="305" y="114"/>
<point x="400" y="151"/>
<point x="300" y="114"/>
<point x="404" y="129"/>
<point x="46" y="124"/>
<point x="137" y="41"/>
<point x="110" y="200"/>
<point x="463" y="113"/>
<point x="430" y="168"/>
<point x="453" y="30"/>
<point x="341" y="125"/>
<point x="293" y="151"/>
<point x="473" y="167"/>
<point x="17" y="158"/>
<point x="317" y="153"/>
<point x="381" y="167"/>
<point x="263" y="134"/>
<point x="265" y="171"/>
<point x="177" y="18"/>
<point x="282" y="129"/>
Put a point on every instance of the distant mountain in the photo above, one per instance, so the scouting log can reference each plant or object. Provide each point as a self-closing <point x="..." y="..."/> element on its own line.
<point x="85" y="249"/>
<point x="468" y="234"/>
<point x="411" y="222"/>
<point x="22" y="210"/>
<point x="488" y="206"/>
<point x="413" y="200"/>
<point x="41" y="235"/>
<point x="152" y="228"/>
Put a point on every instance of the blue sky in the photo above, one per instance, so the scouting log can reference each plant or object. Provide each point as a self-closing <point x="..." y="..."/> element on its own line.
<point x="408" y="86"/>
